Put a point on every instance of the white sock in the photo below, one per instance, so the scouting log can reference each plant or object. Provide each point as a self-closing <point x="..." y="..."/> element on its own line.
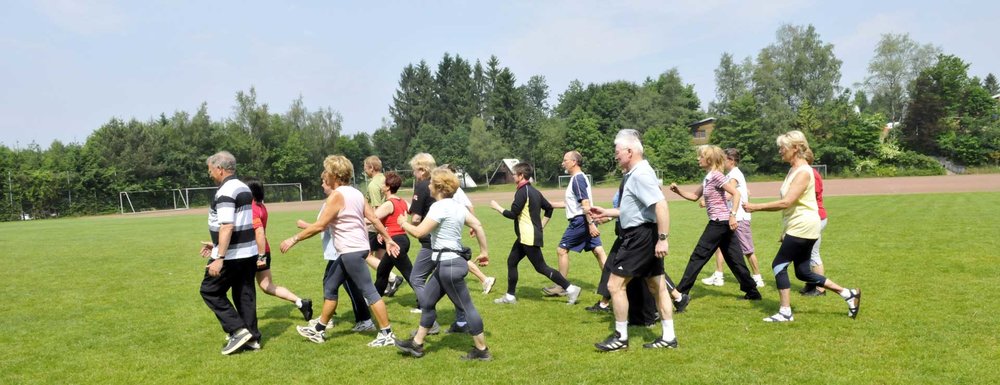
<point x="678" y="299"/>
<point x="846" y="293"/>
<point x="717" y="274"/>
<point x="757" y="277"/>
<point x="785" y="310"/>
<point x="668" y="330"/>
<point x="298" y="303"/>
<point x="392" y="276"/>
<point x="622" y="329"/>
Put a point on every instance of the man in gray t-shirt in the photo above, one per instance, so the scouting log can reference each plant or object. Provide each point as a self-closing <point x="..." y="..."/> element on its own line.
<point x="645" y="222"/>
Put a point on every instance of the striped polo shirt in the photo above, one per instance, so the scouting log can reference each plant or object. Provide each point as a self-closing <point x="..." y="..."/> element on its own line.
<point x="233" y="204"/>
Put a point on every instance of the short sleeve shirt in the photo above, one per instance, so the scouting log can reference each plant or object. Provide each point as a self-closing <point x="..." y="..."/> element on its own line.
<point x="461" y="198"/>
<point x="640" y="193"/>
<point x="374" y="194"/>
<point x="450" y="216"/>
<point x="741" y="186"/>
<point x="715" y="196"/>
<point x="576" y="192"/>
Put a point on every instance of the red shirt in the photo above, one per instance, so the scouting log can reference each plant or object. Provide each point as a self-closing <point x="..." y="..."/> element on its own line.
<point x="391" y="222"/>
<point x="260" y="221"/>
<point x="819" y="194"/>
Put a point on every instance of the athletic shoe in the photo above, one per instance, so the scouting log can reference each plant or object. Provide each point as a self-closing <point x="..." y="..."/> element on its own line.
<point x="314" y="321"/>
<point x="253" y="345"/>
<point x="613" y="343"/>
<point x="488" y="284"/>
<point x="478" y="355"/>
<point x="363" y="326"/>
<point x="597" y="308"/>
<point x="778" y="317"/>
<point x="394" y="286"/>
<point x="759" y="280"/>
<point x="553" y="291"/>
<point x="854" y="303"/>
<point x="751" y="297"/>
<point x="716" y="279"/>
<point x="410" y="347"/>
<point x="454" y="328"/>
<point x="505" y="300"/>
<point x="661" y="344"/>
<point x="416" y="310"/>
<point x="573" y="294"/>
<point x="383" y="339"/>
<point x="807" y="288"/>
<point x="681" y="306"/>
<point x="236" y="341"/>
<point x="435" y="329"/>
<point x="814" y="293"/>
<point x="310" y="333"/>
<point x="306" y="309"/>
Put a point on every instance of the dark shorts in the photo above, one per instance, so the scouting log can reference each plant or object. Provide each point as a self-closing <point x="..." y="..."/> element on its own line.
<point x="577" y="236"/>
<point x="373" y="243"/>
<point x="266" y="267"/>
<point x="637" y="256"/>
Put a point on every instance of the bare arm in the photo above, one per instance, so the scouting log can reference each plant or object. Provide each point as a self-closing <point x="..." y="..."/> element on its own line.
<point x="730" y="188"/>
<point x="477" y="228"/>
<point x="663" y="227"/>
<point x="795" y="190"/>
<point x="334" y="203"/>
<point x="419" y="231"/>
<point x="390" y="246"/>
<point x="687" y="195"/>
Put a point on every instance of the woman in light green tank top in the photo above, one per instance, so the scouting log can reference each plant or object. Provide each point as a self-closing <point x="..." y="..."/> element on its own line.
<point x="800" y="217"/>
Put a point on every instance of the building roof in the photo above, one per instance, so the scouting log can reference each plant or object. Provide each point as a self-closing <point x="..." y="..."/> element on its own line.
<point x="701" y="122"/>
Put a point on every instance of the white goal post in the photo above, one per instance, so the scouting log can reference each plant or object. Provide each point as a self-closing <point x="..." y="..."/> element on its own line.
<point x="821" y="168"/>
<point x="590" y="179"/>
<point x="134" y="202"/>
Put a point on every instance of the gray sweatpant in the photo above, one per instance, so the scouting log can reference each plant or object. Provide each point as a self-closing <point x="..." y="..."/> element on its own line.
<point x="350" y="266"/>
<point x="449" y="278"/>
<point x="422" y="268"/>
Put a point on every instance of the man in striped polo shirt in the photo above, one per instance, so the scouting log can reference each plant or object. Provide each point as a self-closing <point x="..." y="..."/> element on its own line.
<point x="232" y="256"/>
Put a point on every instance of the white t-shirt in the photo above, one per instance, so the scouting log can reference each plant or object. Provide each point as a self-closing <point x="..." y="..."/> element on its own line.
<point x="461" y="198"/>
<point x="329" y="250"/>
<point x="450" y="216"/>
<point x="741" y="186"/>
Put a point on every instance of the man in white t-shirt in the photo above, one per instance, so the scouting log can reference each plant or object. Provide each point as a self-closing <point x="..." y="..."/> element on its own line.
<point x="581" y="232"/>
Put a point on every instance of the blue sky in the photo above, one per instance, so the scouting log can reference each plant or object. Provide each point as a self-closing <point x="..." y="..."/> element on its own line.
<point x="69" y="66"/>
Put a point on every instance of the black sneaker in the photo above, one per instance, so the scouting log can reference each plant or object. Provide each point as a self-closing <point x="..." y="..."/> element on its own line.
<point x="854" y="303"/>
<point x="236" y="341"/>
<point x="307" y="309"/>
<point x="478" y="355"/>
<point x="751" y="297"/>
<point x="814" y="293"/>
<point x="409" y="347"/>
<point x="252" y="345"/>
<point x="807" y="288"/>
<point x="454" y="328"/>
<point x="597" y="308"/>
<point x="661" y="344"/>
<point x="681" y="306"/>
<point x="394" y="286"/>
<point x="613" y="343"/>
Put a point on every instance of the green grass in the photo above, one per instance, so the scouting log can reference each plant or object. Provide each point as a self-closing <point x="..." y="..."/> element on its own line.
<point x="115" y="300"/>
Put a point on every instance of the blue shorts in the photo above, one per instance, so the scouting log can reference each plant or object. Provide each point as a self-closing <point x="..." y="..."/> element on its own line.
<point x="577" y="236"/>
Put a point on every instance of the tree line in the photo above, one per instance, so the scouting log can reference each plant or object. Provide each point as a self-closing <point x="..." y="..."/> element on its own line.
<point x="473" y="114"/>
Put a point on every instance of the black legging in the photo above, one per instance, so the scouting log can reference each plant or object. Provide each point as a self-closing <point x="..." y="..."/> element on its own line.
<point x="797" y="251"/>
<point x="534" y="253"/>
<point x="718" y="235"/>
<point x="401" y="262"/>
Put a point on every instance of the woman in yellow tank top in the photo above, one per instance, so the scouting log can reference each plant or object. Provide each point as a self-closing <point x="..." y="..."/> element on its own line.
<point x="800" y="217"/>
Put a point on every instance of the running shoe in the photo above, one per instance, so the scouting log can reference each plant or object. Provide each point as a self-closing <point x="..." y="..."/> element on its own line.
<point x="612" y="343"/>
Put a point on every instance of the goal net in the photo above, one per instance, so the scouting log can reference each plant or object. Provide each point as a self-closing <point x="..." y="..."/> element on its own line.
<point x="821" y="168"/>
<point x="133" y="202"/>
<point x="564" y="180"/>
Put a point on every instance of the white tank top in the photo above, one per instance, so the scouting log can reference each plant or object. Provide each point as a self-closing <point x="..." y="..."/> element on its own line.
<point x="349" y="232"/>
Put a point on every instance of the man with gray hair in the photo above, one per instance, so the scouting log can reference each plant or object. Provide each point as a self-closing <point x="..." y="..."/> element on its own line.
<point x="232" y="256"/>
<point x="645" y="222"/>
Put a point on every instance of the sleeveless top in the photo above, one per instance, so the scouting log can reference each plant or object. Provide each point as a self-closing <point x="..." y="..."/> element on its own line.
<point x="329" y="251"/>
<point x="801" y="218"/>
<point x="391" y="221"/>
<point x="349" y="232"/>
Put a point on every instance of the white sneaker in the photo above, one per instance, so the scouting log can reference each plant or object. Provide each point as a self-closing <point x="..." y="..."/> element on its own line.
<point x="383" y="339"/>
<point x="758" y="279"/>
<point x="363" y="326"/>
<point x="416" y="310"/>
<point x="714" y="280"/>
<point x="314" y="321"/>
<point x="572" y="293"/>
<point x="778" y="317"/>
<point x="312" y="334"/>
<point x="505" y="300"/>
<point x="488" y="284"/>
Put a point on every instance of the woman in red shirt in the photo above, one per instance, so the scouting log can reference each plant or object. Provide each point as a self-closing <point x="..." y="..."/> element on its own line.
<point x="387" y="213"/>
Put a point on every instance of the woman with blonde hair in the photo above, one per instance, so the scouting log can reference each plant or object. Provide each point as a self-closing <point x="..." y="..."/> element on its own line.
<point x="800" y="216"/>
<point x="343" y="223"/>
<point x="443" y="223"/>
<point x="720" y="232"/>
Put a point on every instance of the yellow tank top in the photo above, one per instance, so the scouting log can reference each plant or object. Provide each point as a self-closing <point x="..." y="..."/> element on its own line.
<point x="801" y="219"/>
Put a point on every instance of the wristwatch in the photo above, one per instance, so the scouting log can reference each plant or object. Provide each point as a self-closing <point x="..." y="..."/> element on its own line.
<point x="664" y="236"/>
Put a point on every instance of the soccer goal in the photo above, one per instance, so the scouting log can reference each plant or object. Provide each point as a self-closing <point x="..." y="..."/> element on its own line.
<point x="132" y="202"/>
<point x="821" y="168"/>
<point x="590" y="179"/>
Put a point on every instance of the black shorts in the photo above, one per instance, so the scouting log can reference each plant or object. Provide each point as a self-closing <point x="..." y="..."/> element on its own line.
<point x="373" y="243"/>
<point x="637" y="256"/>
<point x="266" y="267"/>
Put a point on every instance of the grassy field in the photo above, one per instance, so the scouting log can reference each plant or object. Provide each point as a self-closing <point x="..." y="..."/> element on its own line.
<point x="115" y="299"/>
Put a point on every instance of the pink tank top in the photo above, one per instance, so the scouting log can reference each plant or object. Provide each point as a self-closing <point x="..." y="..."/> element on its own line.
<point x="349" y="232"/>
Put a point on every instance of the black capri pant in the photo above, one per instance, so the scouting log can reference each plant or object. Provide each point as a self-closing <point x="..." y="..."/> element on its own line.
<point x="796" y="251"/>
